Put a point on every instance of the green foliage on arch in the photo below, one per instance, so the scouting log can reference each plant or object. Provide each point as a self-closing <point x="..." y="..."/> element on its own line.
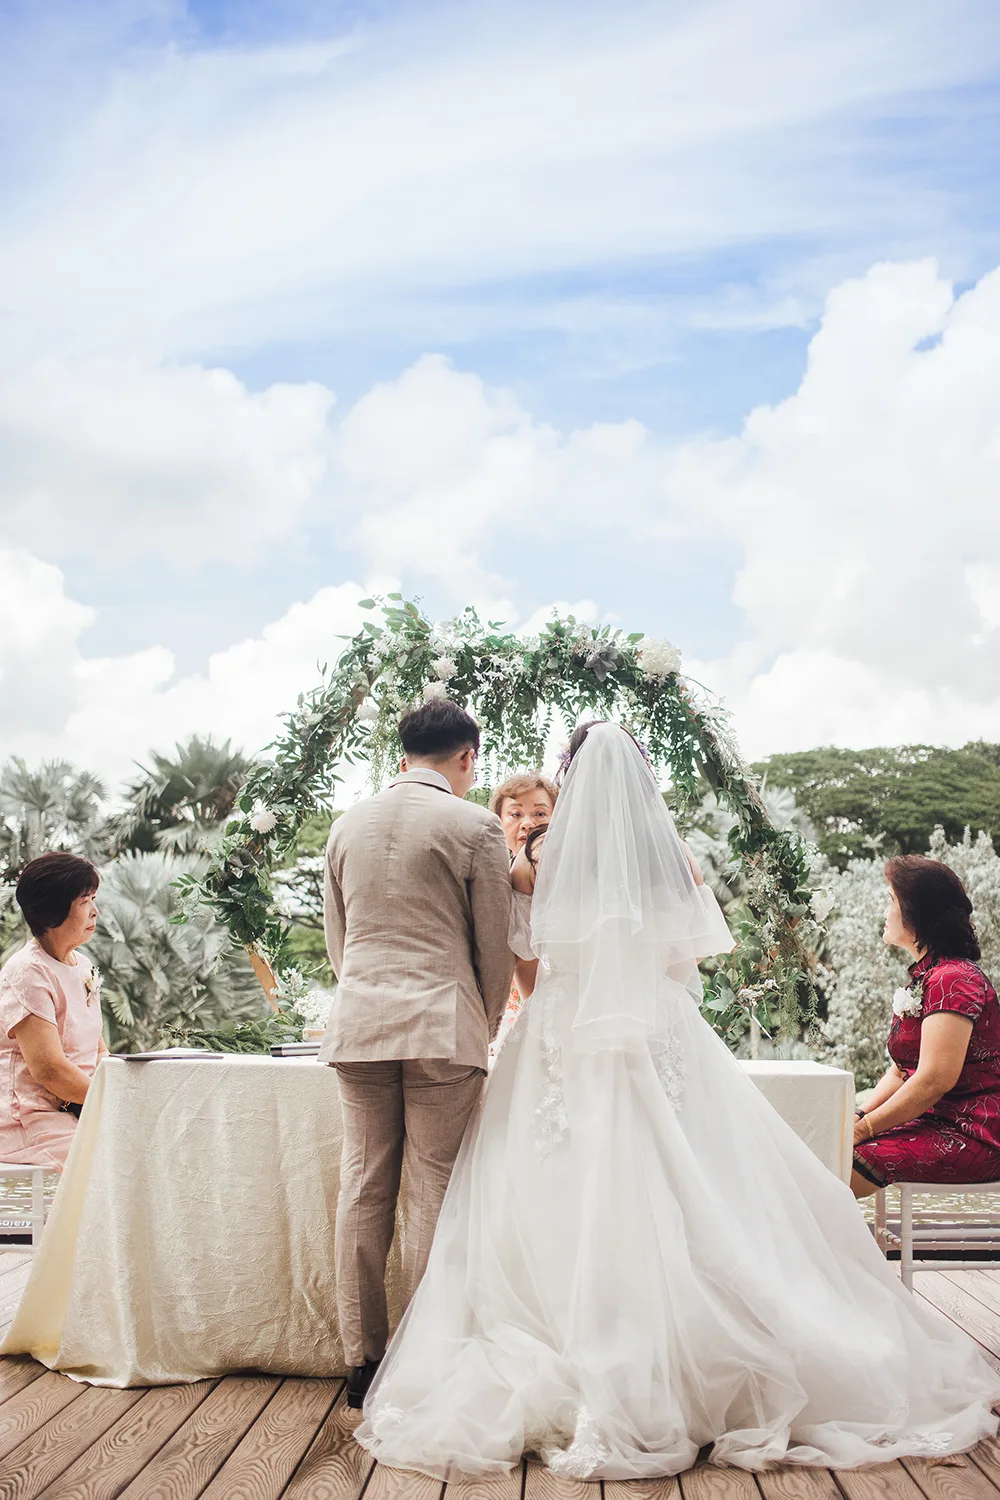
<point x="518" y="688"/>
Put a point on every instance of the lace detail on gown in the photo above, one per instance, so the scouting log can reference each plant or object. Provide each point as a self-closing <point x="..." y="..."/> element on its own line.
<point x="551" y="1121"/>
<point x="585" y="1454"/>
<point x="383" y="1415"/>
<point x="670" y="1070"/>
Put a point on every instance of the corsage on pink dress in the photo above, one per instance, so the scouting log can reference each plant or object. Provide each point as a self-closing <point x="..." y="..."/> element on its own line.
<point x="33" y="1129"/>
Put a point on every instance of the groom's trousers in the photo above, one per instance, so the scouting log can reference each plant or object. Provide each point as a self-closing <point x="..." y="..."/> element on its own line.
<point x="396" y="1114"/>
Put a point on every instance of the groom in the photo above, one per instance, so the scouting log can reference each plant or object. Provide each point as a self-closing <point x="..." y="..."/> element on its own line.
<point x="416" y="908"/>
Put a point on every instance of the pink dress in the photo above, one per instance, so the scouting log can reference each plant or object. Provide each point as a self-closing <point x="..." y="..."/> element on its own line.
<point x="32" y="1127"/>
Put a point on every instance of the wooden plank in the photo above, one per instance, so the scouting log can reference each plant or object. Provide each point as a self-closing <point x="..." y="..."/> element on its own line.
<point x="489" y="1487"/>
<point x="880" y="1482"/>
<point x="638" y="1489"/>
<point x="32" y="1407"/>
<point x="986" y="1457"/>
<point x="541" y="1484"/>
<point x="403" y="1484"/>
<point x="949" y="1478"/>
<point x="334" y="1468"/>
<point x="48" y="1451"/>
<point x="710" y="1482"/>
<point x="262" y="1464"/>
<point x="103" y="1471"/>
<point x="10" y="1295"/>
<point x="797" y="1482"/>
<point x="17" y="1371"/>
<point x="971" y="1315"/>
<point x="978" y="1285"/>
<point x="14" y="1265"/>
<point x="199" y="1448"/>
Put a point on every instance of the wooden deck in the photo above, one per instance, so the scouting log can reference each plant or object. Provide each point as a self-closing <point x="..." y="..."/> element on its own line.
<point x="257" y="1437"/>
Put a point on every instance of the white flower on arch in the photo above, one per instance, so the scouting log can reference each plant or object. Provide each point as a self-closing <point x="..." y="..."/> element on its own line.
<point x="658" y="658"/>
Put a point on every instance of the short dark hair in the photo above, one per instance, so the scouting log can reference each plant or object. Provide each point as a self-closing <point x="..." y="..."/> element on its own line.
<point x="438" y="729"/>
<point x="49" y="885"/>
<point x="934" y="906"/>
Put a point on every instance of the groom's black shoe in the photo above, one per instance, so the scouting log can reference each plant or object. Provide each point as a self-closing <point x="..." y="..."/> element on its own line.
<point x="359" y="1379"/>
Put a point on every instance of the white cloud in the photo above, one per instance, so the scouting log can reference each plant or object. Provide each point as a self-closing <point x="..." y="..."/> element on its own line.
<point x="233" y="196"/>
<point x="106" y="712"/>
<point x="443" y="473"/>
<point x="866" y="505"/>
<point x="121" y="455"/>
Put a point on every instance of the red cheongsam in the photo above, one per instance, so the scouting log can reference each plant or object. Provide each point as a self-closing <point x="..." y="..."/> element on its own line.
<point x="958" y="1139"/>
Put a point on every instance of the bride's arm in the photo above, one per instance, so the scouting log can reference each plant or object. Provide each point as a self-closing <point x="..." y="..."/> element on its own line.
<point x="525" y="972"/>
<point x="522" y="878"/>
<point x="699" y="878"/>
<point x="522" y="875"/>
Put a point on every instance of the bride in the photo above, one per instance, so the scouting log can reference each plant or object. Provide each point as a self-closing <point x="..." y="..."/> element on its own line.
<point x="636" y="1257"/>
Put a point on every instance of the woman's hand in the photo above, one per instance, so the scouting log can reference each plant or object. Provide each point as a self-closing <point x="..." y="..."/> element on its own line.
<point x="944" y="1042"/>
<point x="47" y="1062"/>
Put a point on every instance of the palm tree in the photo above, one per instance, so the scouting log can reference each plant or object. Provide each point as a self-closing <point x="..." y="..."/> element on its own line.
<point x="53" y="807"/>
<point x="182" y="802"/>
<point x="158" y="973"/>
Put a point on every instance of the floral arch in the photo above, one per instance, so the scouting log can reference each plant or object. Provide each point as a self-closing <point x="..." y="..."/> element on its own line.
<point x="516" y="688"/>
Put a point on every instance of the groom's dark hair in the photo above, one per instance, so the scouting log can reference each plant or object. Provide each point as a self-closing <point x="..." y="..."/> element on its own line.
<point x="437" y="730"/>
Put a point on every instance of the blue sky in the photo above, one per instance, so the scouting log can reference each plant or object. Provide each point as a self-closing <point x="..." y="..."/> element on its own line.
<point x="479" y="300"/>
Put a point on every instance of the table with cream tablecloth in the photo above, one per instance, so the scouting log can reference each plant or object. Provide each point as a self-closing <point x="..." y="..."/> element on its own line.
<point x="816" y="1101"/>
<point x="192" y="1232"/>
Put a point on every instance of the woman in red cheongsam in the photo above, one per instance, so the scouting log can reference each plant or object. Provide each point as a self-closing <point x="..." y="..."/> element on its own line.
<point x="935" y="1115"/>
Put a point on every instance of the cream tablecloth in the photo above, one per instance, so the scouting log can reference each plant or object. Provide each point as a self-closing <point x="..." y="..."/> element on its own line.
<point x="192" y="1232"/>
<point x="817" y="1102"/>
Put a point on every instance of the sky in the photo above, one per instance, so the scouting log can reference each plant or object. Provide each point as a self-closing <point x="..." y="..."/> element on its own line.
<point x="682" y="316"/>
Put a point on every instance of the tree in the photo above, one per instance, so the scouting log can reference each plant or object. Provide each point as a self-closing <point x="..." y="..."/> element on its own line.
<point x="156" y="973"/>
<point x="890" y="799"/>
<point x="182" y="802"/>
<point x="53" y="807"/>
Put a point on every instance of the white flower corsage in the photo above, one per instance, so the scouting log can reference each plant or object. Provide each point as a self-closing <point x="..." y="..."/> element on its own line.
<point x="907" y="1003"/>
<point x="92" y="984"/>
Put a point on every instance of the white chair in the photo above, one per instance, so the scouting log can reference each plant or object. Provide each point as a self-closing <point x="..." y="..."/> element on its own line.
<point x="932" y="1232"/>
<point x="37" y="1216"/>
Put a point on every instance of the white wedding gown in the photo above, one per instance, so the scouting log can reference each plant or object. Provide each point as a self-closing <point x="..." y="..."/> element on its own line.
<point x="636" y="1257"/>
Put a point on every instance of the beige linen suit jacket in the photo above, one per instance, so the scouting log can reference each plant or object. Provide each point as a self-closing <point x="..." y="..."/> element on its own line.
<point x="416" y="908"/>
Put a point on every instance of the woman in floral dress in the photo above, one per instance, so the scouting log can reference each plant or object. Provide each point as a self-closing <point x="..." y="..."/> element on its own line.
<point x="522" y="803"/>
<point x="935" y="1115"/>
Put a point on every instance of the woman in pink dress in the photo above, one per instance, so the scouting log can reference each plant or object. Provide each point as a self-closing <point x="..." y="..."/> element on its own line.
<point x="935" y="1115"/>
<point x="50" y="1013"/>
<point x="522" y="803"/>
